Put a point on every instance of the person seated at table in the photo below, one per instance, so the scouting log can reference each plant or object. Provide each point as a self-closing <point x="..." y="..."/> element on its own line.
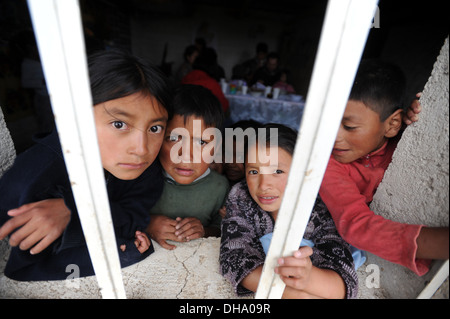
<point x="205" y="73"/>
<point x="283" y="83"/>
<point x="239" y="73"/>
<point x="200" y="44"/>
<point x="270" y="72"/>
<point x="208" y="57"/>
<point x="250" y="66"/>
<point x="189" y="56"/>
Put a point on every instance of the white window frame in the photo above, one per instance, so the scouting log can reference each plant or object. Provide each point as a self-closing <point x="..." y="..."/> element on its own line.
<point x="59" y="34"/>
<point x="58" y="29"/>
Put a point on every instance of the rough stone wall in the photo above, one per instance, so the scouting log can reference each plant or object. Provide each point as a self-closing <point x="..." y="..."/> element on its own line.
<point x="191" y="271"/>
<point x="7" y="150"/>
<point x="415" y="186"/>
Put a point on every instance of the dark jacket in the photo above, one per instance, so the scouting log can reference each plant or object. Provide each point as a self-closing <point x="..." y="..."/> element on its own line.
<point x="40" y="173"/>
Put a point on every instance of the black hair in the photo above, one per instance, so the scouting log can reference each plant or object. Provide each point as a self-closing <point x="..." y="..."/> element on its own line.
<point x="285" y="137"/>
<point x="207" y="62"/>
<point x="245" y="124"/>
<point x="380" y="86"/>
<point x="190" y="49"/>
<point x="287" y="72"/>
<point x="115" y="74"/>
<point x="198" y="101"/>
<point x="273" y="55"/>
<point x="200" y="42"/>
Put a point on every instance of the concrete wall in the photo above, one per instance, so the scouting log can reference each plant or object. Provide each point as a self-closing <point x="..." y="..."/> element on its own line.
<point x="7" y="150"/>
<point x="191" y="271"/>
<point x="415" y="187"/>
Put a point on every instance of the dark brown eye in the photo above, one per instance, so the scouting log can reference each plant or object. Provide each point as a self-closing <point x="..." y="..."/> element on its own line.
<point x="156" y="129"/>
<point x="119" y="125"/>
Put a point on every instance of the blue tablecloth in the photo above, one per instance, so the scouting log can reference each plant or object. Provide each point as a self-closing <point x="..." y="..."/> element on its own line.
<point x="248" y="107"/>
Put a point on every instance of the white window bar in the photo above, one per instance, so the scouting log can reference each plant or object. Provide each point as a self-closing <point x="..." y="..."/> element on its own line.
<point x="438" y="279"/>
<point x="58" y="29"/>
<point x="344" y="33"/>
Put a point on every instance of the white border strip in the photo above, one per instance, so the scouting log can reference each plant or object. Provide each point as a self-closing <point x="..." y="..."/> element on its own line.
<point x="345" y="29"/>
<point x="58" y="29"/>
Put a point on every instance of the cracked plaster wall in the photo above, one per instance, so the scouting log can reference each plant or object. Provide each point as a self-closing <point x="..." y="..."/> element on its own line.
<point x="415" y="186"/>
<point x="188" y="272"/>
<point x="191" y="271"/>
<point x="7" y="150"/>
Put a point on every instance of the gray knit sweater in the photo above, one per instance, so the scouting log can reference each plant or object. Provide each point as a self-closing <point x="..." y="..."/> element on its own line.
<point x="245" y="223"/>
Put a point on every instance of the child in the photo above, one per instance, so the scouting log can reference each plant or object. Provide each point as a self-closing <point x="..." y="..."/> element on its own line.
<point x="362" y="151"/>
<point x="234" y="170"/>
<point x="327" y="271"/>
<point x="193" y="193"/>
<point x="132" y="104"/>
<point x="283" y="83"/>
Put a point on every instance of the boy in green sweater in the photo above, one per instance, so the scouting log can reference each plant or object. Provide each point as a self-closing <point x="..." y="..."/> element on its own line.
<point x="193" y="193"/>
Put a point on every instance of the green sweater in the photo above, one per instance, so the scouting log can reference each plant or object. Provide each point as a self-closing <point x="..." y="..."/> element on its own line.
<point x="201" y="199"/>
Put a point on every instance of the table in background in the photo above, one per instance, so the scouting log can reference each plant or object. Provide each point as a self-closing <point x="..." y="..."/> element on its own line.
<point x="264" y="110"/>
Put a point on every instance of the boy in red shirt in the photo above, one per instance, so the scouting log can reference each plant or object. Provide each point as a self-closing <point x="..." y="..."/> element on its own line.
<point x="363" y="149"/>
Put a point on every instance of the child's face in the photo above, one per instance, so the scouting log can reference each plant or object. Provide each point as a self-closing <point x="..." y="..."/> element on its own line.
<point x="191" y="58"/>
<point x="266" y="182"/>
<point x="361" y="132"/>
<point x="183" y="154"/>
<point x="130" y="132"/>
<point x="272" y="64"/>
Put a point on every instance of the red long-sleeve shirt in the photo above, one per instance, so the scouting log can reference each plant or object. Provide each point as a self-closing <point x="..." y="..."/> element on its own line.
<point x="348" y="189"/>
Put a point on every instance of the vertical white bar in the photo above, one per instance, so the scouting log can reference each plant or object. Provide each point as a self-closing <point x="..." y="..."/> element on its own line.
<point x="344" y="33"/>
<point x="58" y="30"/>
<point x="436" y="282"/>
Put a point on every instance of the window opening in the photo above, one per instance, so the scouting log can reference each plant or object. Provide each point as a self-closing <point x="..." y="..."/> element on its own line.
<point x="58" y="29"/>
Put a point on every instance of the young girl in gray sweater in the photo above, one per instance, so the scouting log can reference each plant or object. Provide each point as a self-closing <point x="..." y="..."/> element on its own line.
<point x="323" y="266"/>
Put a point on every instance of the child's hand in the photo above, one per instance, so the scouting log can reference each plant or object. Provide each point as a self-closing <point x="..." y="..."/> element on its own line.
<point x="41" y="223"/>
<point x="413" y="111"/>
<point x="223" y="211"/>
<point x="295" y="271"/>
<point x="162" y="228"/>
<point x="142" y="242"/>
<point x="189" y="228"/>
